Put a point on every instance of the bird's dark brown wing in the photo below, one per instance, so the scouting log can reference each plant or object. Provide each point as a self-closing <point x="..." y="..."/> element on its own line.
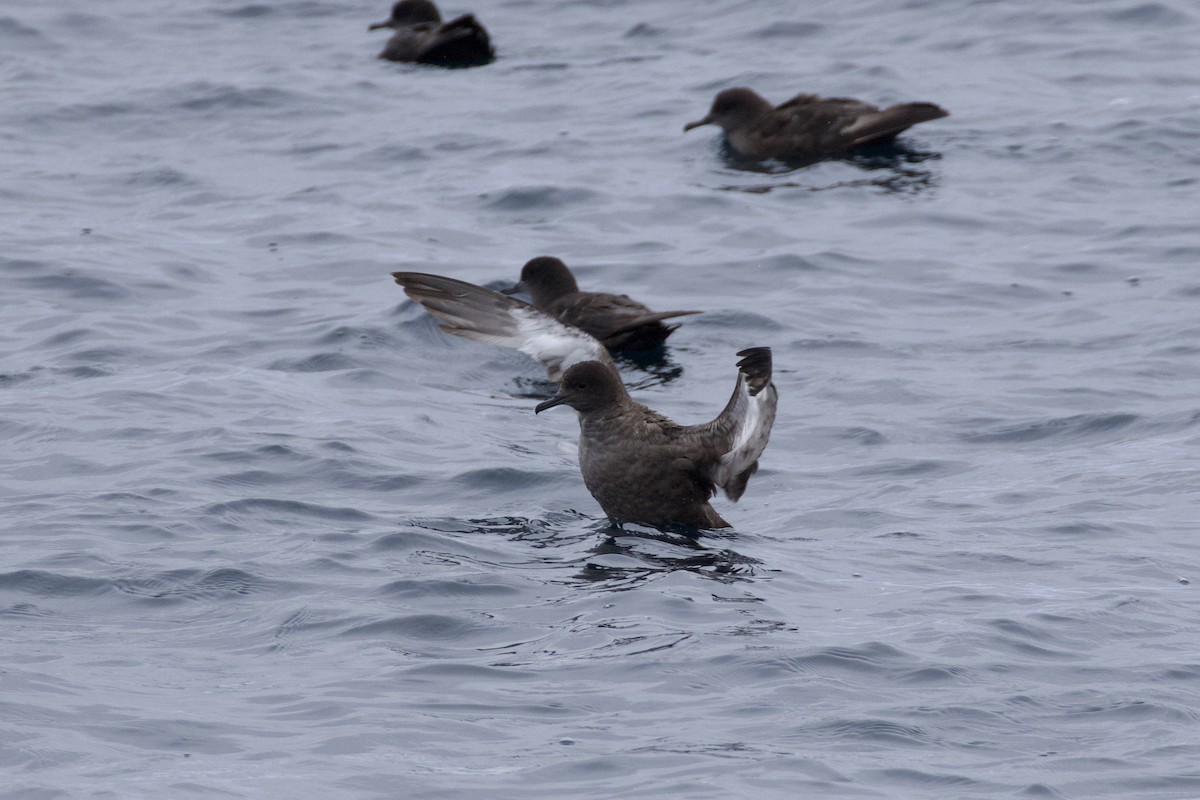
<point x="890" y="121"/>
<point x="611" y="317"/>
<point x="459" y="42"/>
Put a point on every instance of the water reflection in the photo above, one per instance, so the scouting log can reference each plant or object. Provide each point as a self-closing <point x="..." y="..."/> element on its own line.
<point x="621" y="558"/>
<point x="627" y="557"/>
<point x="897" y="161"/>
<point x="656" y="364"/>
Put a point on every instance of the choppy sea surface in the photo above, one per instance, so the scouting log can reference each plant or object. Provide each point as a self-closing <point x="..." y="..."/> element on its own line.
<point x="265" y="531"/>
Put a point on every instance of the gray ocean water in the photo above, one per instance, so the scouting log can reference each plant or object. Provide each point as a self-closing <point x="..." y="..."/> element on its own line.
<point x="267" y="532"/>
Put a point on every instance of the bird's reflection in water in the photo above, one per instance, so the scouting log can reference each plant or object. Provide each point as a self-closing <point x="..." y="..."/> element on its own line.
<point x="629" y="556"/>
<point x="898" y="162"/>
<point x="656" y="364"/>
<point x="890" y="155"/>
<point x="618" y="558"/>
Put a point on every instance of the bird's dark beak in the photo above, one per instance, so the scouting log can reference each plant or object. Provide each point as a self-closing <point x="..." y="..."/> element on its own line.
<point x="516" y="288"/>
<point x="697" y="124"/>
<point x="557" y="400"/>
<point x="379" y="25"/>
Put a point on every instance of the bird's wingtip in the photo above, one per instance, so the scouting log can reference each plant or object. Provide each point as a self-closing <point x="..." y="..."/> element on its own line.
<point x="755" y="364"/>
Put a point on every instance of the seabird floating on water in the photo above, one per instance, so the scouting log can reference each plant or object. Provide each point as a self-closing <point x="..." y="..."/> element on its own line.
<point x="617" y="320"/>
<point x="421" y="36"/>
<point x="807" y="127"/>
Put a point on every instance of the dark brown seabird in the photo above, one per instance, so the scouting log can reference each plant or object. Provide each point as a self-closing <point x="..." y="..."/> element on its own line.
<point x="642" y="467"/>
<point x="421" y="37"/>
<point x="482" y="315"/>
<point x="807" y="127"/>
<point x="617" y="320"/>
